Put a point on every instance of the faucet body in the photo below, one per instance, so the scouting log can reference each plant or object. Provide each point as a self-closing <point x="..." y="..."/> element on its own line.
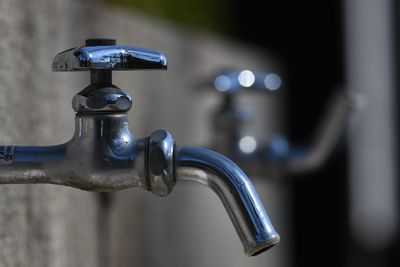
<point x="104" y="155"/>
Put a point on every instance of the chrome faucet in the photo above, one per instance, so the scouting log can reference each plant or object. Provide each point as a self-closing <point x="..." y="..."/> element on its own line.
<point x="278" y="154"/>
<point x="104" y="156"/>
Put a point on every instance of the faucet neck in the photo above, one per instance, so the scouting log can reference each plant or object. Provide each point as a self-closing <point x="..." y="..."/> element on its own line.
<point x="101" y="77"/>
<point x="101" y="125"/>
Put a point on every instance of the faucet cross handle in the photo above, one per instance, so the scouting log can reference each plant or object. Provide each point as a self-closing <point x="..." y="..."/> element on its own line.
<point x="105" y="54"/>
<point x="101" y="56"/>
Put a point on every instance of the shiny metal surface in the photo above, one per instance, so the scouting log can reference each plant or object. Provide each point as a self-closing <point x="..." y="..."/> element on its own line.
<point x="236" y="193"/>
<point x="104" y="156"/>
<point x="102" y="98"/>
<point x="115" y="57"/>
<point x="161" y="162"/>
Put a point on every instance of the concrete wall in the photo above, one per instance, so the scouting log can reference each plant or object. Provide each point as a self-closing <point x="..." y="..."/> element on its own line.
<point x="41" y="225"/>
<point x="45" y="225"/>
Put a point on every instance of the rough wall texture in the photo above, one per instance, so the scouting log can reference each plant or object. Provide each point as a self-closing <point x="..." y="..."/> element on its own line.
<point x="41" y="225"/>
<point x="45" y="225"/>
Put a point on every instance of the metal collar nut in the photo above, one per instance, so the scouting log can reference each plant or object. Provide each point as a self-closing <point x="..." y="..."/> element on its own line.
<point x="161" y="162"/>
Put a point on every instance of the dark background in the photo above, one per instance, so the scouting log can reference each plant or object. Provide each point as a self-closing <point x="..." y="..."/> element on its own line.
<point x="308" y="37"/>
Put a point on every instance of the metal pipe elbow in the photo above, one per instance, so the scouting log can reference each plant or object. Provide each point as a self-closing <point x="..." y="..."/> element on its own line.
<point x="110" y="159"/>
<point x="236" y="192"/>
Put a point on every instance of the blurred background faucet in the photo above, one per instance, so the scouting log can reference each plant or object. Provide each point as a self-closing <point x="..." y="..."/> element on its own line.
<point x="237" y="136"/>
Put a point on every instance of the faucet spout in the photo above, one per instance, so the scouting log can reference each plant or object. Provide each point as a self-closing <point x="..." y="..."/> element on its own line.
<point x="236" y="192"/>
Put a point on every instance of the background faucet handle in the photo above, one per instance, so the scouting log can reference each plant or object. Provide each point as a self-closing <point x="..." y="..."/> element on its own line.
<point x="105" y="54"/>
<point x="235" y="81"/>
